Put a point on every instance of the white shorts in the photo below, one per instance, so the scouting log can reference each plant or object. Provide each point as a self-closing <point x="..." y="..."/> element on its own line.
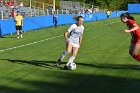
<point x="73" y="44"/>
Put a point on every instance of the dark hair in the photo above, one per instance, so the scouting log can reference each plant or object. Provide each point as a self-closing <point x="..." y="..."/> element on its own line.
<point x="18" y="12"/>
<point x="127" y="15"/>
<point x="77" y="17"/>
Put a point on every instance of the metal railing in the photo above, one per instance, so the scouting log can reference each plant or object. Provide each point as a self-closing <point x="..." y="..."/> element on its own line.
<point x="27" y="12"/>
<point x="34" y="8"/>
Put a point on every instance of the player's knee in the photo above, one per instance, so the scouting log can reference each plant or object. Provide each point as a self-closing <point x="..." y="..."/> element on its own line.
<point x="134" y="54"/>
<point x="68" y="52"/>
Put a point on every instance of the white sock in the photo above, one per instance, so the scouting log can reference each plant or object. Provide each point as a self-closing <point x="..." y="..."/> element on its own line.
<point x="17" y="32"/>
<point x="71" y="59"/>
<point x="21" y="35"/>
<point x="63" y="55"/>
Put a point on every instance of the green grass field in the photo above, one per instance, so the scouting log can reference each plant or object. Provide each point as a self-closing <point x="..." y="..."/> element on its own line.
<point x="103" y="62"/>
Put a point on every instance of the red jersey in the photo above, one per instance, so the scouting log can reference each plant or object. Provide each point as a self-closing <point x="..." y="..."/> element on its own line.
<point x="12" y="13"/>
<point x="11" y="3"/>
<point x="136" y="33"/>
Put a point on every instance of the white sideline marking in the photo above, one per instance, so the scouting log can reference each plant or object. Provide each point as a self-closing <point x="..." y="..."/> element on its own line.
<point x="29" y="43"/>
<point x="48" y="39"/>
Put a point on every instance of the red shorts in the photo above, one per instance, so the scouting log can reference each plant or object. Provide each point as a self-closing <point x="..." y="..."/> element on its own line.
<point x="135" y="41"/>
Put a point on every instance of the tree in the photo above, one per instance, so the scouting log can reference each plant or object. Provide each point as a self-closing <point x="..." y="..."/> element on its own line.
<point x="103" y="4"/>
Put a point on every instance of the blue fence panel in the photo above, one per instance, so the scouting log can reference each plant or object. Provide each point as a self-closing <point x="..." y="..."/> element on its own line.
<point x="113" y="14"/>
<point x="65" y="19"/>
<point x="8" y="26"/>
<point x="29" y="24"/>
<point x="102" y="16"/>
<point x="37" y="22"/>
<point x="87" y="17"/>
<point x="134" y="8"/>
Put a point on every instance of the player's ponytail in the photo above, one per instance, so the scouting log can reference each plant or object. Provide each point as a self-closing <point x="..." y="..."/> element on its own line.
<point x="127" y="15"/>
<point x="77" y="17"/>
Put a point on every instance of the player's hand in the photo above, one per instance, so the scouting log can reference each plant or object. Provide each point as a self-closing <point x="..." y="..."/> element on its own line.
<point x="67" y="40"/>
<point x="127" y="31"/>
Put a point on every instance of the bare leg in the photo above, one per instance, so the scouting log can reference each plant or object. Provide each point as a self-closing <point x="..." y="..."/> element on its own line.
<point x="21" y="34"/>
<point x="74" y="53"/>
<point x="17" y="33"/>
<point x="63" y="55"/>
<point x="135" y="52"/>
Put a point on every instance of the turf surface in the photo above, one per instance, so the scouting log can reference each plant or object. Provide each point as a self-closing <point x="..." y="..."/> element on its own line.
<point x="27" y="65"/>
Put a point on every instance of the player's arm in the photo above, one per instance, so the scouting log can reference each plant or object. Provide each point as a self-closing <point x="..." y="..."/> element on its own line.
<point x="80" y="40"/>
<point x="66" y="35"/>
<point x="56" y="16"/>
<point x="68" y="31"/>
<point x="15" y="19"/>
<point x="135" y="27"/>
<point x="22" y="22"/>
<point x="21" y="18"/>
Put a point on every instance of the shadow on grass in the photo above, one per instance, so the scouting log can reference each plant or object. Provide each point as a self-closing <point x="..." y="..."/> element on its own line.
<point x="45" y="64"/>
<point x="48" y="64"/>
<point x="74" y="83"/>
<point x="71" y="82"/>
<point x="8" y="37"/>
<point x="110" y="66"/>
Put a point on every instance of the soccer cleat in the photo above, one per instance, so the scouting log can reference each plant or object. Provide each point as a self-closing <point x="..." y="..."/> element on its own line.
<point x="66" y="67"/>
<point x="58" y="62"/>
<point x="17" y="36"/>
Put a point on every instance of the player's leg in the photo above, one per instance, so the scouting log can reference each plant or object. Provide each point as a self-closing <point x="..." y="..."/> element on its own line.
<point x="131" y="49"/>
<point x="21" y="35"/>
<point x="17" y="33"/>
<point x="66" y="52"/>
<point x="107" y="17"/>
<point x="135" y="52"/>
<point x="17" y="29"/>
<point x="55" y="23"/>
<point x="74" y="53"/>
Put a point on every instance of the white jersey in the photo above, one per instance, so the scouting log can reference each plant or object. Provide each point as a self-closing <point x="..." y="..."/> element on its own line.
<point x="75" y="32"/>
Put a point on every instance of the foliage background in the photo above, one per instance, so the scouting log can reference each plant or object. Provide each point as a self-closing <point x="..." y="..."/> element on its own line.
<point x="103" y="4"/>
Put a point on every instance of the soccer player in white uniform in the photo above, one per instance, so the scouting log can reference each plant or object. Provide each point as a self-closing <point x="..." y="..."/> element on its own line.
<point x="73" y="37"/>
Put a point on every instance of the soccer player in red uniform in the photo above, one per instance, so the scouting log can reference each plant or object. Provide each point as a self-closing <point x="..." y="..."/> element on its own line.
<point x="134" y="29"/>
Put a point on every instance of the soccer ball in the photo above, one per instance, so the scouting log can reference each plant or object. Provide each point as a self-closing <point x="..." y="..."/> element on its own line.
<point x="72" y="66"/>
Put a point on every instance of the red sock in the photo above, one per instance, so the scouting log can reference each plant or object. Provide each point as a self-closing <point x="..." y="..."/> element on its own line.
<point x="137" y="57"/>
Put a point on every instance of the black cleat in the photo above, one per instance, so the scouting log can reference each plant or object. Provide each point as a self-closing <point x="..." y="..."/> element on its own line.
<point x="58" y="62"/>
<point x="66" y="67"/>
